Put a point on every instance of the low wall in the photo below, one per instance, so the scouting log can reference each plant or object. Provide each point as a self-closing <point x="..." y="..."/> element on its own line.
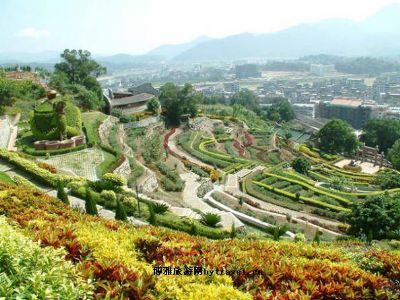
<point x="142" y="123"/>
<point x="124" y="169"/>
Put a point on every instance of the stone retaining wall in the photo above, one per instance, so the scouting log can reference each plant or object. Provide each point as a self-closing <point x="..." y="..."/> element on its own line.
<point x="124" y="169"/>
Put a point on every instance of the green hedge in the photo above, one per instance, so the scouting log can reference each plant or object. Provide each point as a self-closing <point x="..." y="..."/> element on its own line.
<point x="33" y="169"/>
<point x="185" y="142"/>
<point x="34" y="152"/>
<point x="321" y="191"/>
<point x="307" y="200"/>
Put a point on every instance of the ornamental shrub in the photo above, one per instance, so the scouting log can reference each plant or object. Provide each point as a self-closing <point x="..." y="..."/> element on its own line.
<point x="120" y="213"/>
<point x="114" y="179"/>
<point x="90" y="203"/>
<point x="29" y="271"/>
<point x="61" y="194"/>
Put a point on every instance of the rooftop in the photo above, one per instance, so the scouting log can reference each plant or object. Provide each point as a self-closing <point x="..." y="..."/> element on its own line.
<point x="347" y="102"/>
<point x="131" y="99"/>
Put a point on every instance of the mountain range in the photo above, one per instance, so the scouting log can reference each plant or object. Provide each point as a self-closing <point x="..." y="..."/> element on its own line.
<point x="377" y="35"/>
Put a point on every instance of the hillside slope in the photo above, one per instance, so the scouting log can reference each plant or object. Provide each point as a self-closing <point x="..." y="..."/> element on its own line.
<point x="120" y="259"/>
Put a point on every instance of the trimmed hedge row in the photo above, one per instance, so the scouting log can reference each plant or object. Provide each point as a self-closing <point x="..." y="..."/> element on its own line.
<point x="312" y="188"/>
<point x="204" y="158"/>
<point x="34" y="152"/>
<point x="33" y="169"/>
<point x="362" y="175"/>
<point x="307" y="200"/>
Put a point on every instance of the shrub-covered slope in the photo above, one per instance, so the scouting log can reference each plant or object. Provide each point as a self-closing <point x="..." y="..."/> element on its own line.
<point x="118" y="259"/>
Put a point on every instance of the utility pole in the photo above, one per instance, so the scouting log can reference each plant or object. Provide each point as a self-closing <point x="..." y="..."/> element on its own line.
<point x="137" y="197"/>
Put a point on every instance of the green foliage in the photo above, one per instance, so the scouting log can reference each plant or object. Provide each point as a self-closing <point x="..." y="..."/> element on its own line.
<point x="378" y="216"/>
<point x="277" y="231"/>
<point x="61" y="194"/>
<point x="46" y="124"/>
<point x="280" y="110"/>
<point x="382" y="133"/>
<point x="152" y="219"/>
<point x="77" y="66"/>
<point x="14" y="90"/>
<point x="114" y="179"/>
<point x="77" y="74"/>
<point x="177" y="101"/>
<point x="210" y="219"/>
<point x="152" y="148"/>
<point x="172" y="181"/>
<point x="120" y="213"/>
<point x="154" y="106"/>
<point x="87" y="99"/>
<point x="301" y="165"/>
<point x="33" y="169"/>
<point x="317" y="236"/>
<point x="387" y="179"/>
<point x="160" y="208"/>
<point x="245" y="98"/>
<point x="337" y="136"/>
<point x="29" y="271"/>
<point x="394" y="154"/>
<point x="233" y="232"/>
<point x="108" y="196"/>
<point x="90" y="203"/>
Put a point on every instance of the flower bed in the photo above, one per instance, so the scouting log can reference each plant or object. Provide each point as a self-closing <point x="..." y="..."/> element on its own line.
<point x="119" y="259"/>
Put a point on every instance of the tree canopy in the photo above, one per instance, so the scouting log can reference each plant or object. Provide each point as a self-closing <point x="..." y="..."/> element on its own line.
<point x="394" y="154"/>
<point x="337" y="136"/>
<point x="301" y="165"/>
<point x="381" y="132"/>
<point x="280" y="110"/>
<point x="247" y="99"/>
<point x="376" y="216"/>
<point x="76" y="75"/>
<point x="177" y="101"/>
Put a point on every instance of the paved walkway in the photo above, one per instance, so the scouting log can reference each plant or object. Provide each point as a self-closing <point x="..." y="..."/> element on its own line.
<point x="294" y="218"/>
<point x="266" y="206"/>
<point x="74" y="201"/>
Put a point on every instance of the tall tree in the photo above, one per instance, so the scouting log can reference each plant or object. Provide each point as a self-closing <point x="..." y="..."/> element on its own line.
<point x="78" y="66"/>
<point x="178" y="101"/>
<point x="376" y="216"/>
<point x="247" y="99"/>
<point x="337" y="136"/>
<point x="394" y="154"/>
<point x="381" y="132"/>
<point x="280" y="110"/>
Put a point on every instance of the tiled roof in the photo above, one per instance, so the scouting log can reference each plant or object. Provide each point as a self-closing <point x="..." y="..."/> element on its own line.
<point x="131" y="99"/>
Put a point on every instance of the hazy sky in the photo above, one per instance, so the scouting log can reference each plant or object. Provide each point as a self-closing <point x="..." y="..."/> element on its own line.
<point x="136" y="26"/>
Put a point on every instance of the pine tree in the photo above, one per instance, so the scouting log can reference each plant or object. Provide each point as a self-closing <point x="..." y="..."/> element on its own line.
<point x="193" y="229"/>
<point x="317" y="236"/>
<point x="90" y="204"/>
<point x="120" y="213"/>
<point x="61" y="194"/>
<point x="233" y="231"/>
<point x="152" y="217"/>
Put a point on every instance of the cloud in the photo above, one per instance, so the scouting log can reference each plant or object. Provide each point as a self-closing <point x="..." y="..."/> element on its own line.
<point x="33" y="33"/>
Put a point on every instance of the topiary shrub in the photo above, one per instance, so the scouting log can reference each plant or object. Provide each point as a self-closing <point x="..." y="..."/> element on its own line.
<point x="48" y="124"/>
<point x="114" y="179"/>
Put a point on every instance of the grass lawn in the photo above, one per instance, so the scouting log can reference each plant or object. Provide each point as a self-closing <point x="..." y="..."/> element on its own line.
<point x="91" y="121"/>
<point x="106" y="164"/>
<point x="5" y="178"/>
